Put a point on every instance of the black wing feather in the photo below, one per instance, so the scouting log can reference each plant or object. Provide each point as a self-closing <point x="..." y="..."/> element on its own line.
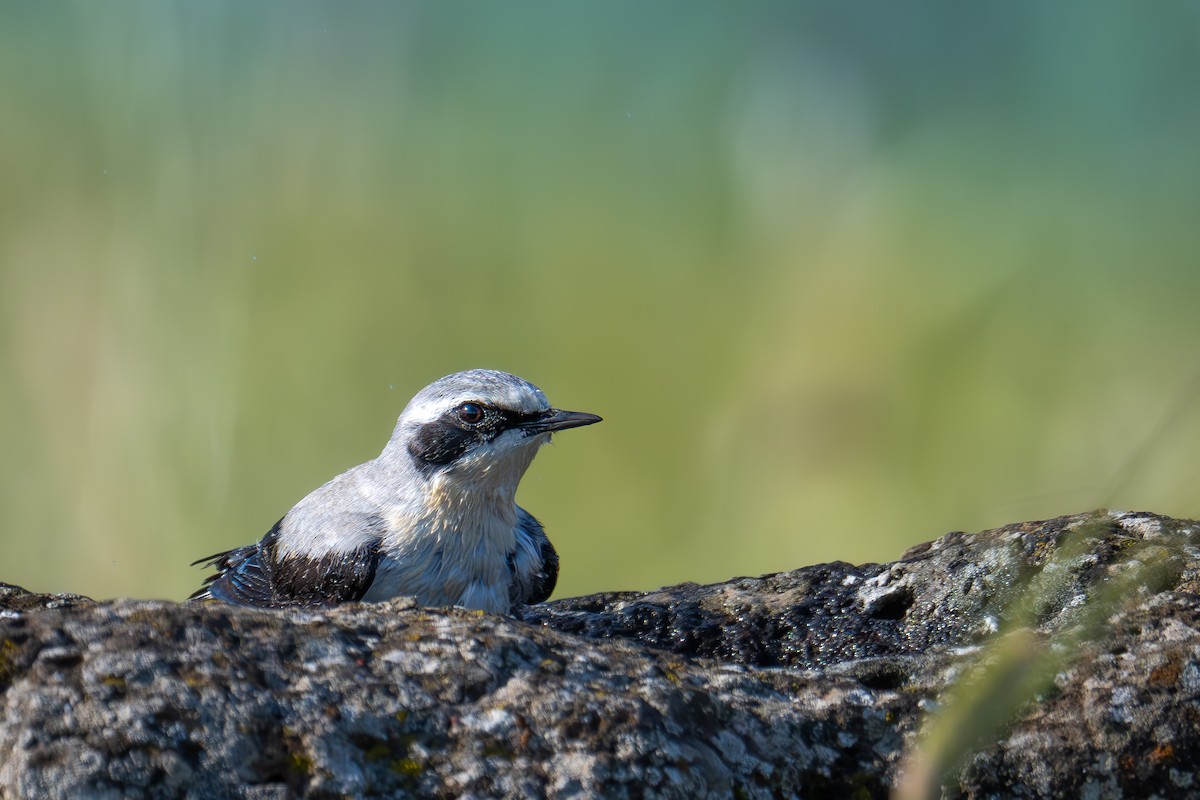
<point x="242" y="578"/>
<point x="547" y="577"/>
<point x="255" y="575"/>
<point x="539" y="586"/>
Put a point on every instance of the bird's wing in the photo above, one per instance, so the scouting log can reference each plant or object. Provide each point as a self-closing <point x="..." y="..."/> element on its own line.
<point x="328" y="580"/>
<point x="534" y="564"/>
<point x="243" y="576"/>
<point x="240" y="579"/>
<point x="259" y="575"/>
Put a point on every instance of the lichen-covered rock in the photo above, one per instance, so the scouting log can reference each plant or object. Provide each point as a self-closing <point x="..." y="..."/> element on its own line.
<point x="810" y="683"/>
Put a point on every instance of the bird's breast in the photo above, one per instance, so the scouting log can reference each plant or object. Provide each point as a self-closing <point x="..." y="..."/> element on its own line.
<point x="453" y="550"/>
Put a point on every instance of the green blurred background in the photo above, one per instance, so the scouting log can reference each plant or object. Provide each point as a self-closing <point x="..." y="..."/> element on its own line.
<point x="839" y="276"/>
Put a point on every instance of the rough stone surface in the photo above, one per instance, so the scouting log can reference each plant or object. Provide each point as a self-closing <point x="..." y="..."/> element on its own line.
<point x="810" y="683"/>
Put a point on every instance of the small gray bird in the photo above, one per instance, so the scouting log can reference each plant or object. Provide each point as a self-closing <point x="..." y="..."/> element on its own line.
<point x="434" y="516"/>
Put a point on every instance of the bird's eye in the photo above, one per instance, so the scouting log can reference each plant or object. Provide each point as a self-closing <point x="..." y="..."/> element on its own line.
<point x="470" y="413"/>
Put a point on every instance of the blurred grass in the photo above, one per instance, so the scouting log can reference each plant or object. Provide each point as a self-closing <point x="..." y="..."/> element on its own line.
<point x="1011" y="673"/>
<point x="839" y="278"/>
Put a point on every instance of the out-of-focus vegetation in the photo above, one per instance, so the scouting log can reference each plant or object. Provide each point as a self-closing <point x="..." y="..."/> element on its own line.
<point x="840" y="277"/>
<point x="1012" y="670"/>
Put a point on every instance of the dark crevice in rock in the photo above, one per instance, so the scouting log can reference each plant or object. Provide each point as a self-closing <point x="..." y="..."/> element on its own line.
<point x="892" y="606"/>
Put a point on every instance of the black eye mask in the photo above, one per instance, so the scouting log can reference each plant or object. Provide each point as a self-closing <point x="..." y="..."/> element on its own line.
<point x="462" y="429"/>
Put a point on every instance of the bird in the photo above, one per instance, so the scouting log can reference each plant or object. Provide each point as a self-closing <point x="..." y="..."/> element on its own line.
<point x="434" y="516"/>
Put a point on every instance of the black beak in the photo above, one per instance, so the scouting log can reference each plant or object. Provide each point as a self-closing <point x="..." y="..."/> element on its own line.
<point x="558" y="420"/>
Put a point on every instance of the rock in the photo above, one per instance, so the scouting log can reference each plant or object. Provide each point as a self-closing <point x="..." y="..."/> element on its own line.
<point x="812" y="683"/>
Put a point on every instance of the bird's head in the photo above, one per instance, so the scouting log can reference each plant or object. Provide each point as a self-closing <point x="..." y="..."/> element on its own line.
<point x="478" y="428"/>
